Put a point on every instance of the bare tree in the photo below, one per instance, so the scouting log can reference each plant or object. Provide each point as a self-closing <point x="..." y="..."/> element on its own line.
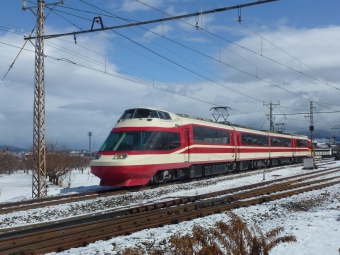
<point x="60" y="162"/>
<point x="9" y="162"/>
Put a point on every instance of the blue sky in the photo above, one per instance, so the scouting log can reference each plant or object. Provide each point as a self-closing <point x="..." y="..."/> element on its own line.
<point x="285" y="51"/>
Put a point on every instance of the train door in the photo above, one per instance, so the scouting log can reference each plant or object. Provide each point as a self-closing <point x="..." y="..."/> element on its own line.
<point x="186" y="145"/>
<point x="232" y="144"/>
<point x="269" y="146"/>
<point x="294" y="147"/>
<point x="237" y="142"/>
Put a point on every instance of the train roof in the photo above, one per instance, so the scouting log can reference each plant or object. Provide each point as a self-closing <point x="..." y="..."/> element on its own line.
<point x="200" y="120"/>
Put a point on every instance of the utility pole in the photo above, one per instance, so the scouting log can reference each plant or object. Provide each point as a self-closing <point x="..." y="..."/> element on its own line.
<point x="90" y="134"/>
<point x="271" y="107"/>
<point x="311" y="129"/>
<point x="330" y="134"/>
<point x="39" y="132"/>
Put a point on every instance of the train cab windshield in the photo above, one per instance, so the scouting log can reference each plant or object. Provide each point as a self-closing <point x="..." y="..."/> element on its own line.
<point x="144" y="113"/>
<point x="141" y="140"/>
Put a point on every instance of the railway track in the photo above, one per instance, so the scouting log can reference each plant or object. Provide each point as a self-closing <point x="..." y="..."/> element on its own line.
<point x="71" y="198"/>
<point x="79" y="232"/>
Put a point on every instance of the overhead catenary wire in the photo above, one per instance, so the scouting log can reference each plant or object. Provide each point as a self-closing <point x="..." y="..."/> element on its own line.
<point x="109" y="13"/>
<point x="231" y="66"/>
<point x="206" y="31"/>
<point x="263" y="38"/>
<point x="185" y="68"/>
<point x="205" y="55"/>
<point x="147" y="83"/>
<point x="11" y="66"/>
<point x="184" y="45"/>
<point x="83" y="1"/>
<point x="207" y="100"/>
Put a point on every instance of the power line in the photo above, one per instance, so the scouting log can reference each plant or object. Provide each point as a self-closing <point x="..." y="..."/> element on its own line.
<point x="299" y="113"/>
<point x="11" y="66"/>
<point x="242" y="24"/>
<point x="162" y="36"/>
<point x="211" y="34"/>
<point x="173" y="62"/>
<point x="203" y="30"/>
<point x="157" y="20"/>
<point x="183" y="45"/>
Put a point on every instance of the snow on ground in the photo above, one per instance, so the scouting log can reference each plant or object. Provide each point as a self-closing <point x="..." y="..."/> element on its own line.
<point x="18" y="186"/>
<point x="317" y="229"/>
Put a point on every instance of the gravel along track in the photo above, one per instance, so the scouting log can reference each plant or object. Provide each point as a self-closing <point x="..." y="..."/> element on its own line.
<point x="71" y="198"/>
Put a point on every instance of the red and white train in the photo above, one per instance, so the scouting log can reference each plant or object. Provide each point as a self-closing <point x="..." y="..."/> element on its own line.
<point x="149" y="145"/>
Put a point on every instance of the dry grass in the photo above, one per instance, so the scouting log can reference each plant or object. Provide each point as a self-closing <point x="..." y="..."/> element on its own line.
<point x="306" y="204"/>
<point x="232" y="238"/>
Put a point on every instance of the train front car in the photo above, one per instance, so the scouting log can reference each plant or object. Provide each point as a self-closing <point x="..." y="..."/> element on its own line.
<point x="143" y="142"/>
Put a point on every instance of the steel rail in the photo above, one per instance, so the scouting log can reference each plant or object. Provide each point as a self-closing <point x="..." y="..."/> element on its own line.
<point x="70" y="198"/>
<point x="106" y="228"/>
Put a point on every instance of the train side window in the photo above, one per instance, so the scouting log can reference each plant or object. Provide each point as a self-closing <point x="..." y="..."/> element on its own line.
<point x="251" y="139"/>
<point x="259" y="140"/>
<point x="153" y="114"/>
<point x="275" y="141"/>
<point x="256" y="140"/>
<point x="287" y="142"/>
<point x="167" y="115"/>
<point x="244" y="138"/>
<point x="161" y="115"/>
<point x="301" y="143"/>
<point x="174" y="140"/>
<point x="163" y="143"/>
<point x="208" y="135"/>
<point x="128" y="114"/>
<point x="157" y="141"/>
<point x="145" y="113"/>
<point x="225" y="137"/>
<point x="141" y="113"/>
<point x="217" y="136"/>
<point x="264" y="140"/>
<point x="198" y="134"/>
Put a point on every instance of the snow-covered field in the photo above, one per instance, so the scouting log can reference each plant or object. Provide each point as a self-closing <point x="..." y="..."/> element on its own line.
<point x="317" y="228"/>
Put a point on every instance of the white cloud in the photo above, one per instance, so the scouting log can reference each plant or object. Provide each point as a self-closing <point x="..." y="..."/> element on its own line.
<point x="133" y="5"/>
<point x="162" y="30"/>
<point x="79" y="99"/>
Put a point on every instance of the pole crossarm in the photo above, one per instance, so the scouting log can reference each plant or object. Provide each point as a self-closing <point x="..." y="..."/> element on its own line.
<point x="35" y="7"/>
<point x="271" y="119"/>
<point x="155" y="21"/>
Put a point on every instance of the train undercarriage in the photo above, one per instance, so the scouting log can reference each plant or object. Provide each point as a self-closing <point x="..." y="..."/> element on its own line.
<point x="203" y="170"/>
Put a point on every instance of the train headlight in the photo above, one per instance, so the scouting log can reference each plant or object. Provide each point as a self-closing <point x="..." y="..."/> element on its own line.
<point x="120" y="156"/>
<point x="97" y="156"/>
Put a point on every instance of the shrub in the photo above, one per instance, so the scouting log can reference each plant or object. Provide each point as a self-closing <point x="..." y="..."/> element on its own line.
<point x="232" y="238"/>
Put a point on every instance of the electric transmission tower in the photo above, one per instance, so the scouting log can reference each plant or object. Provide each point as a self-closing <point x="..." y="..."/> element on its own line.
<point x="39" y="132"/>
<point x="271" y="107"/>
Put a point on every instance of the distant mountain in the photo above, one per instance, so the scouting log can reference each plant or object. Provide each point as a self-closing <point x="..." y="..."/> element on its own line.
<point x="319" y="134"/>
<point x="12" y="148"/>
